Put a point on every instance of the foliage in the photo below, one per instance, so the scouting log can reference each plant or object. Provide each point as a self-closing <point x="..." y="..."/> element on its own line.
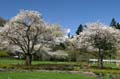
<point x="115" y="24"/>
<point x="4" y="54"/>
<point x="80" y="29"/>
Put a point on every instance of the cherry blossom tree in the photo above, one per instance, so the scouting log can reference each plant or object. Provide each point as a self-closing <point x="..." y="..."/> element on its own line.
<point x="99" y="37"/>
<point x="29" y="32"/>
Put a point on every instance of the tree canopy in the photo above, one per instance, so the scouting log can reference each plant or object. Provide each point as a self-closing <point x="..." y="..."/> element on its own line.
<point x="79" y="29"/>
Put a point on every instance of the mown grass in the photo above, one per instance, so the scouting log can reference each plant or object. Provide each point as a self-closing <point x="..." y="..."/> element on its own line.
<point x="10" y="61"/>
<point x="41" y="75"/>
<point x="4" y="63"/>
<point x="16" y="61"/>
<point x="108" y="65"/>
<point x="42" y="65"/>
<point x="50" y="65"/>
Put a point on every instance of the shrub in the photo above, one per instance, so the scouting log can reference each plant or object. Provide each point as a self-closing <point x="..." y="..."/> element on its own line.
<point x="4" y="54"/>
<point x="7" y="66"/>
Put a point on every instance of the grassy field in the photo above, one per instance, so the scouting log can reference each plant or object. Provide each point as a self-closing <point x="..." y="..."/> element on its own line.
<point x="54" y="75"/>
<point x="16" y="61"/>
<point x="41" y="75"/>
<point x="109" y="65"/>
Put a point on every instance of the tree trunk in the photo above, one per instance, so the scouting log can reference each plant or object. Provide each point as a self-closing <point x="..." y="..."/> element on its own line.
<point x="100" y="59"/>
<point x="28" y="59"/>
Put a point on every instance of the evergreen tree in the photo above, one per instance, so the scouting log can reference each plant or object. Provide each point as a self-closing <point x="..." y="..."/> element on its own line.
<point x="113" y="23"/>
<point x="80" y="29"/>
<point x="69" y="36"/>
<point x="85" y="26"/>
<point x="118" y="26"/>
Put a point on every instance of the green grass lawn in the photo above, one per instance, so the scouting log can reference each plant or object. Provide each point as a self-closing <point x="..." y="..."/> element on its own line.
<point x="5" y="62"/>
<point x="41" y="75"/>
<point x="10" y="61"/>
<point x="53" y="75"/>
<point x="16" y="61"/>
<point x="109" y="65"/>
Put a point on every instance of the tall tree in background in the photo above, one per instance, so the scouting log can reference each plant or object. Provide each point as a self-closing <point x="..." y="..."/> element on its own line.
<point x="80" y="29"/>
<point x="113" y="23"/>
<point x="118" y="26"/>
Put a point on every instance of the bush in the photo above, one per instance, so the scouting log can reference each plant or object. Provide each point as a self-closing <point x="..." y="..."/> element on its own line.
<point x="4" y="66"/>
<point x="47" y="67"/>
<point x="4" y="54"/>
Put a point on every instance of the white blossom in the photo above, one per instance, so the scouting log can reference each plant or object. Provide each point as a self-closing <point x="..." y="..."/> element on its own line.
<point x="28" y="30"/>
<point x="98" y="33"/>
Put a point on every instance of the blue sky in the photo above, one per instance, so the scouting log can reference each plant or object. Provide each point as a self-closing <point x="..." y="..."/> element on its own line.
<point x="67" y="13"/>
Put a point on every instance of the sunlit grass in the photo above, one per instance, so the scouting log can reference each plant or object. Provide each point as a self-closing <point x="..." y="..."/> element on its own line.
<point x="16" y="61"/>
<point x="41" y="75"/>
